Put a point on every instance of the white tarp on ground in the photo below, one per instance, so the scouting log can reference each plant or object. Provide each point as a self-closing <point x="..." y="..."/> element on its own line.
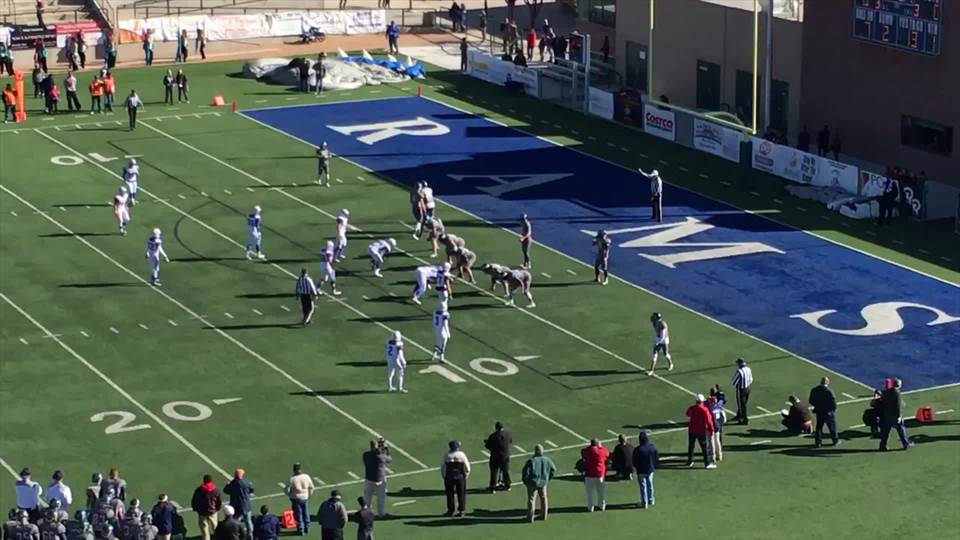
<point x="339" y="75"/>
<point x="256" y="25"/>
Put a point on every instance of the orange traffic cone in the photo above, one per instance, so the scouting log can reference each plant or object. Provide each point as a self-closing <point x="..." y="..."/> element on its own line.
<point x="234" y="106"/>
<point x="420" y="90"/>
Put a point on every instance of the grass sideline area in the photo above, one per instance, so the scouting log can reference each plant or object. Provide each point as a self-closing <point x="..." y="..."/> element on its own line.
<point x="82" y="335"/>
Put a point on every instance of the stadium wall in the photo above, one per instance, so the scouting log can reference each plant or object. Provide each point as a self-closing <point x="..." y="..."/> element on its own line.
<point x="691" y="30"/>
<point x="863" y="89"/>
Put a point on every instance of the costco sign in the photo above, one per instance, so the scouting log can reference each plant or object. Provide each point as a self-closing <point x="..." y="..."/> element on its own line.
<point x="659" y="122"/>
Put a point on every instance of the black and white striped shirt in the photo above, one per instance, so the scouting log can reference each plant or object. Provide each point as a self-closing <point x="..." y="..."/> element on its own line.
<point x="743" y="378"/>
<point x="305" y="286"/>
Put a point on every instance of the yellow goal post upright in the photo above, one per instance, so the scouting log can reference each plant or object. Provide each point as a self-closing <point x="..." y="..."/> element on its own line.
<point x="752" y="128"/>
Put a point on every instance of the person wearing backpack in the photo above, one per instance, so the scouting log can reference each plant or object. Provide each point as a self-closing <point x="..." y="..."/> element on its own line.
<point x="537" y="473"/>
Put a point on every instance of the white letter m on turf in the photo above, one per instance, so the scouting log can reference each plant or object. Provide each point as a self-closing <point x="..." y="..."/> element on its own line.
<point x="418" y="127"/>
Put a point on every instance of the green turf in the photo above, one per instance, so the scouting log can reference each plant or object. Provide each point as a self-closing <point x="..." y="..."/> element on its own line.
<point x="208" y="170"/>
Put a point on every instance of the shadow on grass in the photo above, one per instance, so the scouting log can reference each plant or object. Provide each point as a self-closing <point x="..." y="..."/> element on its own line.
<point x="336" y="393"/>
<point x="80" y="234"/>
<point x="99" y="285"/>
<point x="288" y="326"/>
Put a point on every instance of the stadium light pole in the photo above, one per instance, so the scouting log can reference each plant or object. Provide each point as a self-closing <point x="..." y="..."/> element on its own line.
<point x="650" y="52"/>
<point x="756" y="67"/>
<point x="768" y="68"/>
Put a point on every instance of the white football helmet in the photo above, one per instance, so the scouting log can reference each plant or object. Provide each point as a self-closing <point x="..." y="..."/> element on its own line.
<point x="446" y="267"/>
<point x="257" y="209"/>
<point x="329" y="244"/>
<point x="133" y="162"/>
<point x="393" y="242"/>
<point x="345" y="212"/>
<point x="397" y="336"/>
<point x="123" y="190"/>
<point x="156" y="231"/>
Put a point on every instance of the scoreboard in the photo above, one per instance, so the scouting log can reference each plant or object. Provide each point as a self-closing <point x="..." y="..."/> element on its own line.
<point x="912" y="25"/>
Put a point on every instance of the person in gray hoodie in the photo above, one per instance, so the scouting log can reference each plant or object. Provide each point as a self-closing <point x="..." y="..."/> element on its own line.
<point x="332" y="516"/>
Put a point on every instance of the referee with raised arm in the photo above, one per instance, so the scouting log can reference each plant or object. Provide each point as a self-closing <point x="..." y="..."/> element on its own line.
<point x="742" y="381"/>
<point x="656" y="194"/>
<point x="306" y="292"/>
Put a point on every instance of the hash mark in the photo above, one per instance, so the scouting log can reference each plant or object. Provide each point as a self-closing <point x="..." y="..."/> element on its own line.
<point x="339" y="181"/>
<point x="353" y="475"/>
<point x="141" y="325"/>
<point x="925" y="252"/>
<point x="62" y="209"/>
<point x="754" y="193"/>
<point x="23" y="341"/>
<point x="946" y="259"/>
<point x="551" y="443"/>
<point x="250" y="189"/>
<point x="848" y="396"/>
<point x="546" y="275"/>
<point x="12" y="213"/>
<point x="257" y="311"/>
<point x="522" y="451"/>
<point x="181" y="196"/>
<point x="764" y="410"/>
<point x="778" y="201"/>
<point x="672" y="422"/>
<point x="484" y="452"/>
<point x="172" y="322"/>
<point x="624" y="148"/>
<point x="571" y="272"/>
<point x="702" y="175"/>
<point x="612" y="432"/>
<point x="285" y="308"/>
<point x="898" y="242"/>
<point x="404" y="503"/>
<point x="800" y="208"/>
<point x="765" y="441"/>
<point x="663" y="162"/>
<point x="204" y="194"/>
<point x="227" y="191"/>
<point x="826" y="218"/>
<point x="684" y="169"/>
<point x="114" y="330"/>
<point x="227" y="315"/>
<point x="724" y="182"/>
<point x="84" y="333"/>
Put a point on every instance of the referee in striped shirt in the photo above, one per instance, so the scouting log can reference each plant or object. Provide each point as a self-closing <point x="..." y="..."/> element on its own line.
<point x="306" y="292"/>
<point x="742" y="381"/>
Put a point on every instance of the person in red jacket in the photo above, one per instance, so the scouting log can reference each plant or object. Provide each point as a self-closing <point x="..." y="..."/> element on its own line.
<point x="594" y="472"/>
<point x="698" y="429"/>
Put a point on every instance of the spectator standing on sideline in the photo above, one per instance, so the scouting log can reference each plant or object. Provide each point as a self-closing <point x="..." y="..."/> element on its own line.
<point x="463" y="17"/>
<point x="824" y="404"/>
<point x="266" y="526"/>
<point x="891" y="416"/>
<point x="113" y="481"/>
<point x="375" y="463"/>
<point x="70" y="85"/>
<point x="531" y="42"/>
<point x="201" y="43"/>
<point x="797" y="419"/>
<point x="393" y="38"/>
<point x="836" y="146"/>
<point x="483" y="26"/>
<point x="206" y="503"/>
<point x="803" y="140"/>
<point x="93" y="492"/>
<point x="240" y="489"/>
<point x="51" y="94"/>
<point x="28" y="493"/>
<point x="823" y="140"/>
<point x="133" y="103"/>
<point x="332" y="516"/>
<point x="645" y="462"/>
<point x="109" y="51"/>
<point x="300" y="486"/>
<point x="742" y="381"/>
<point x="168" y="83"/>
<point x="320" y="71"/>
<point x="9" y="104"/>
<point x="605" y="49"/>
<point x="526" y="238"/>
<point x="183" y="88"/>
<point x="455" y="469"/>
<point x="60" y="491"/>
<point x="40" y="55"/>
<point x="594" y="459"/>
<point x="718" y="404"/>
<point x="888" y="201"/>
<point x="229" y="528"/>
<point x="699" y="427"/>
<point x="537" y="473"/>
<point x="463" y="54"/>
<point x="37" y="76"/>
<point x="872" y="414"/>
<point x="182" y="48"/>
<point x="303" y="73"/>
<point x="6" y="59"/>
<point x="40" y="10"/>
<point x="498" y="444"/>
<point x="364" y="519"/>
<point x="343" y="4"/>
<point x="622" y="462"/>
<point x="164" y="517"/>
<point x="82" y="50"/>
<point x="454" y="14"/>
<point x="148" y="46"/>
<point x="306" y="292"/>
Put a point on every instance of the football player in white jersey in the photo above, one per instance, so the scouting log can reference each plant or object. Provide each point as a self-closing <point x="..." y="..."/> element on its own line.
<point x="425" y="274"/>
<point x="429" y="205"/>
<point x="661" y="342"/>
<point x="131" y="177"/>
<point x="396" y="363"/>
<point x="343" y="223"/>
<point x="378" y="251"/>
<point x="326" y="268"/>
<point x="255" y="234"/>
<point x="154" y="252"/>
<point x="441" y="330"/>
<point x="444" y="285"/>
<point x="416" y="204"/>
<point x="121" y="211"/>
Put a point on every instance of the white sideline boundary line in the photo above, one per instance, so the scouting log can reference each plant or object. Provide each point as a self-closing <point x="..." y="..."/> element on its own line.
<point x="93" y="368"/>
<point x="9" y="469"/>
<point x="205" y="322"/>
<point x="526" y="311"/>
<point x="342" y="301"/>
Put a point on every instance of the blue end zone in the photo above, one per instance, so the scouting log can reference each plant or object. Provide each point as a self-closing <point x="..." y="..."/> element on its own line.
<point x="763" y="278"/>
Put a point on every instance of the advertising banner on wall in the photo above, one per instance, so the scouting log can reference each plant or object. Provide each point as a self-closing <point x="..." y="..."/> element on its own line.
<point x="601" y="103"/>
<point x="494" y="70"/>
<point x="802" y="167"/>
<point x="716" y="139"/>
<point x="91" y="32"/>
<point x="659" y="122"/>
<point x="24" y="36"/>
<point x="836" y="175"/>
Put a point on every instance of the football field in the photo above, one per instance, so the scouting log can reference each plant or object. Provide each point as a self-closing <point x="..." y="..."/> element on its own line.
<point x="212" y="371"/>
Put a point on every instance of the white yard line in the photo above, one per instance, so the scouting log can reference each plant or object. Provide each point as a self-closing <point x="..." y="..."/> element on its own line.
<point x="550" y="443"/>
<point x="227" y="315"/>
<point x="353" y="475"/>
<point x="94" y="369"/>
<point x="172" y="322"/>
<point x="210" y="325"/>
<point x="342" y="301"/>
<point x="948" y="411"/>
<point x="848" y="396"/>
<point x="285" y="308"/>
<point x="404" y="503"/>
<point x="765" y="441"/>
<point x="764" y="410"/>
<point x="571" y="272"/>
<point x="521" y="450"/>
<point x="9" y="469"/>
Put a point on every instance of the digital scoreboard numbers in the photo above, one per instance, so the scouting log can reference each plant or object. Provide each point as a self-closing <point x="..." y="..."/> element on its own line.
<point x="912" y="25"/>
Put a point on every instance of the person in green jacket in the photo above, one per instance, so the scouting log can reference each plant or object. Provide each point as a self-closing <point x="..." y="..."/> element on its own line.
<point x="537" y="473"/>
